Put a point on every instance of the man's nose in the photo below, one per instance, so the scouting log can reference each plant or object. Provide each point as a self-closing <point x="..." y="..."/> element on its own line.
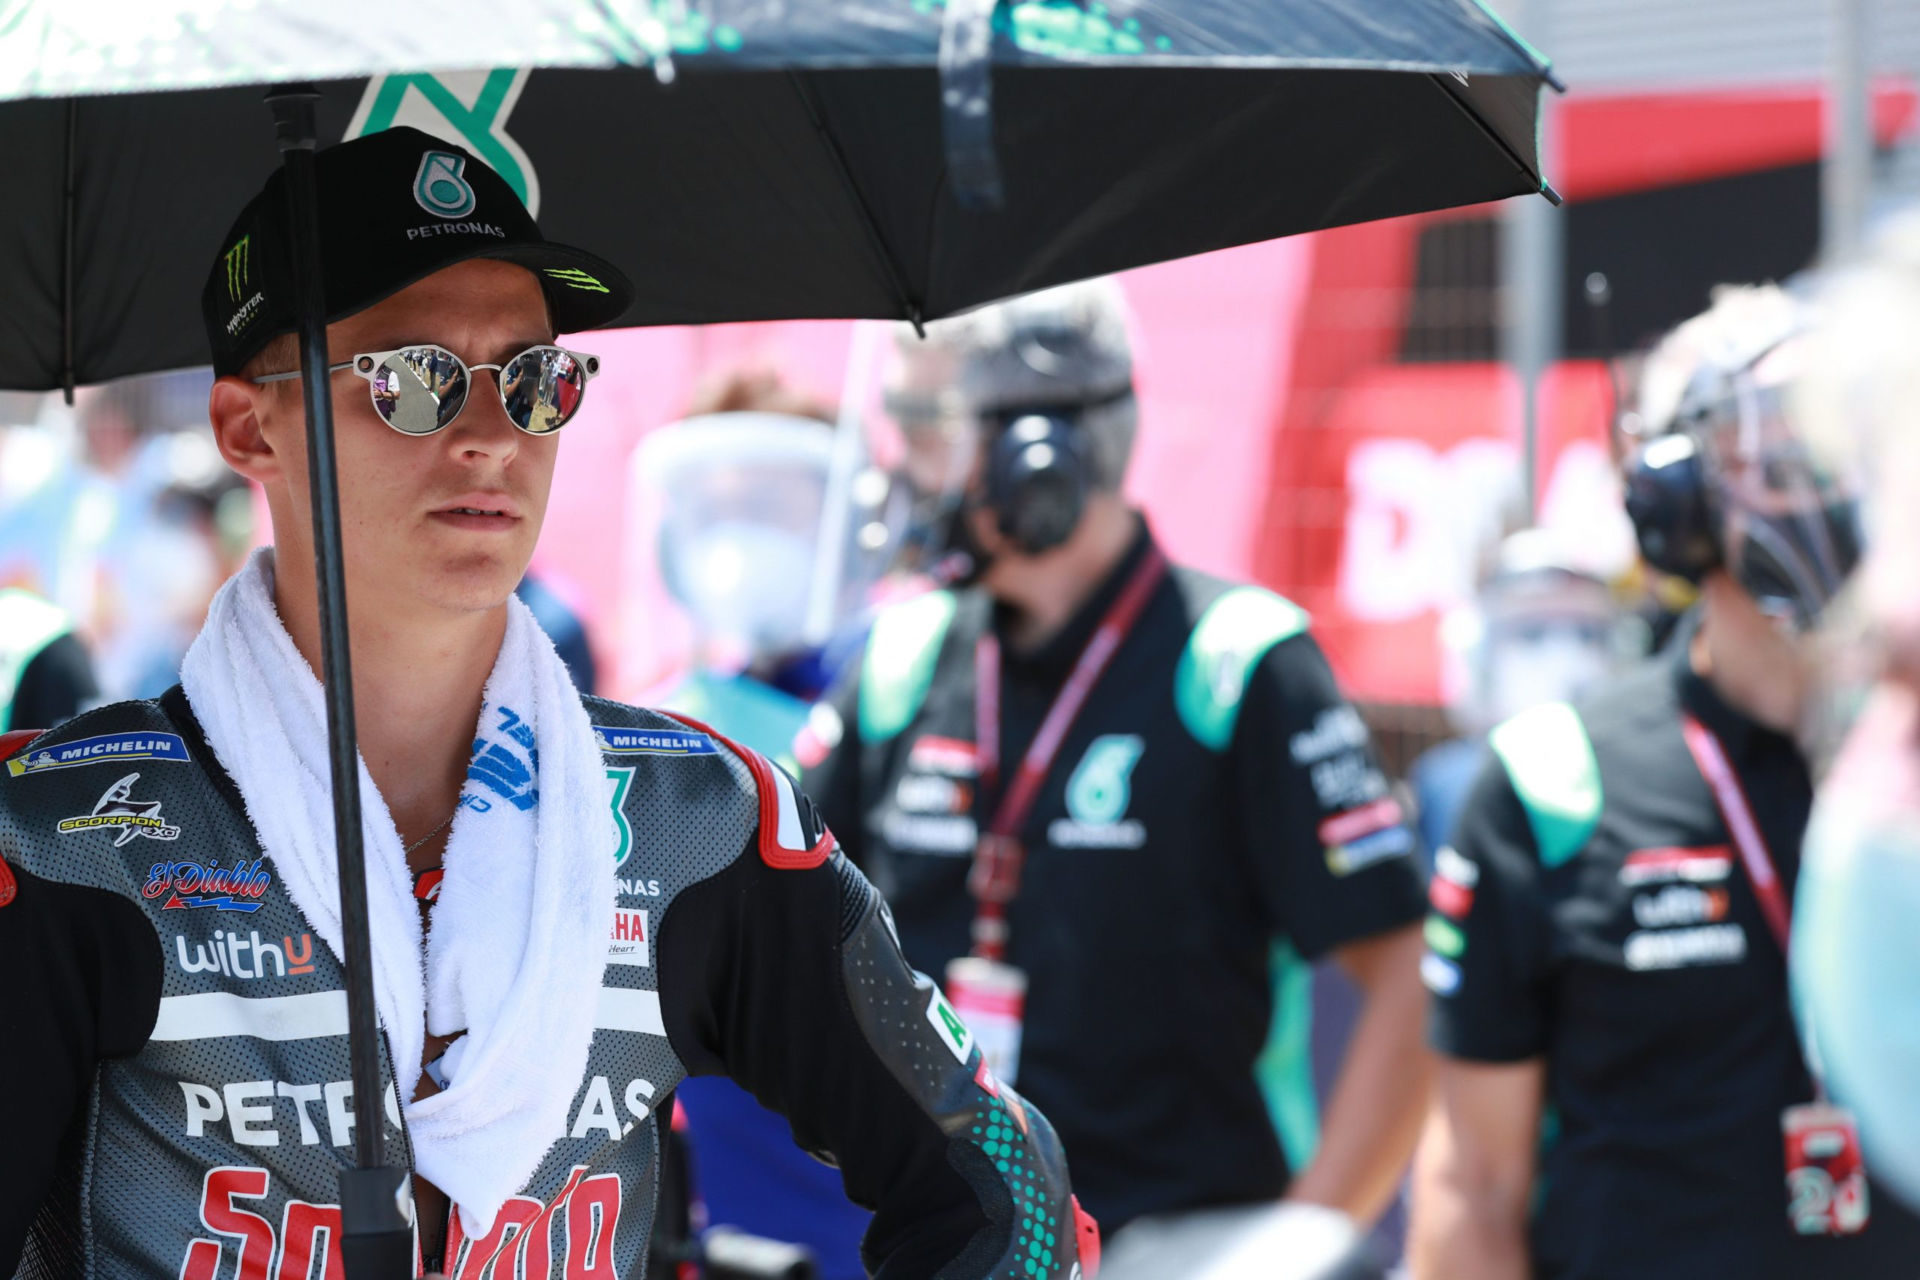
<point x="483" y="428"/>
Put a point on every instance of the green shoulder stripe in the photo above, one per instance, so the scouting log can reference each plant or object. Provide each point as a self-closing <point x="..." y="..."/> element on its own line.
<point x="901" y="653"/>
<point x="1231" y="637"/>
<point x="1549" y="760"/>
<point x="28" y="624"/>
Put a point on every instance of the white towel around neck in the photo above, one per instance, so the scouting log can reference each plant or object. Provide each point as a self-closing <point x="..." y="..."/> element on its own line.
<point x="519" y="938"/>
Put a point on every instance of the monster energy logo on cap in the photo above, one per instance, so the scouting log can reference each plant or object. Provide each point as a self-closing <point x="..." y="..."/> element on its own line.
<point x="237" y="264"/>
<point x="440" y="187"/>
<point x="577" y="278"/>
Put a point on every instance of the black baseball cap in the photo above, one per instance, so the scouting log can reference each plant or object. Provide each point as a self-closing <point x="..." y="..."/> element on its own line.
<point x="395" y="207"/>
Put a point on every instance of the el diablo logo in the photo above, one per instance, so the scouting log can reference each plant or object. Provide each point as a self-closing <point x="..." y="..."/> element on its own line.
<point x="201" y="884"/>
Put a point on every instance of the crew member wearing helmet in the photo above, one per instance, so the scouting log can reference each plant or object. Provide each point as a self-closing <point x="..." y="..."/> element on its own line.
<point x="1620" y="1078"/>
<point x="1120" y="803"/>
<point x="1542" y="627"/>
<point x="742" y="494"/>
<point x="46" y="676"/>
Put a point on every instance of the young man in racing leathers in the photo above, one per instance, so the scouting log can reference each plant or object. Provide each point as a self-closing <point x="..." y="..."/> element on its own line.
<point x="177" y="1048"/>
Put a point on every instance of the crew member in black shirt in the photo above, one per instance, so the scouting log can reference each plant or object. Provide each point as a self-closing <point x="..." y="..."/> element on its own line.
<point x="46" y="677"/>
<point x="1620" y="1071"/>
<point x="1201" y="815"/>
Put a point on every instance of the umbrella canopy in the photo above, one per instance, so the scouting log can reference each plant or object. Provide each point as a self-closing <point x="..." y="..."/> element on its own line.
<point x="858" y="158"/>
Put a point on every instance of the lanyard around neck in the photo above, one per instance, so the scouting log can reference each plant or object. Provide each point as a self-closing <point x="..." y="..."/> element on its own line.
<point x="998" y="855"/>
<point x="1711" y="759"/>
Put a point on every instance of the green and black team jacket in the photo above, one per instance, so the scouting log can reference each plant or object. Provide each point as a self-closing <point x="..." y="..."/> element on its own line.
<point x="1214" y="817"/>
<point x="176" y="1070"/>
<point x="45" y="675"/>
<point x="1592" y="911"/>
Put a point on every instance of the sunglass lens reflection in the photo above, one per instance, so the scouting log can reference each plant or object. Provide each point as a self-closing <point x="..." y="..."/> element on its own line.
<point x="420" y="390"/>
<point x="541" y="389"/>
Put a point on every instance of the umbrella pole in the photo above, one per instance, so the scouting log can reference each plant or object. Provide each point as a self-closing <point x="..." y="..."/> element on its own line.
<point x="376" y="1209"/>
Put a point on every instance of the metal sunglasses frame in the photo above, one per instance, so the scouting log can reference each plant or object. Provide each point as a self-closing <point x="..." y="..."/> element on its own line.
<point x="367" y="365"/>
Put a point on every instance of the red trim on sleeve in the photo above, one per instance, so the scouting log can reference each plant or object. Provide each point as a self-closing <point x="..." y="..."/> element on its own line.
<point x="9" y="744"/>
<point x="772" y="852"/>
<point x="1087" y="1233"/>
<point x="16" y="739"/>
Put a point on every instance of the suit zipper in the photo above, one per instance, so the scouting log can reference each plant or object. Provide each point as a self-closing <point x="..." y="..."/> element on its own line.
<point x="406" y="1136"/>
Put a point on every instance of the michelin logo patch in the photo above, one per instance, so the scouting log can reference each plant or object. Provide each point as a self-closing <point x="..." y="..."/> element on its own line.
<point x="107" y="746"/>
<point x="652" y="742"/>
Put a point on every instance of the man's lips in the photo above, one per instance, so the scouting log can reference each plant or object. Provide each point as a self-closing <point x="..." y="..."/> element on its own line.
<point x="479" y="511"/>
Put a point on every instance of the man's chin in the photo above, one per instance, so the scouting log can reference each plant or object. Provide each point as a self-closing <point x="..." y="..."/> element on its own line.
<point x="470" y="584"/>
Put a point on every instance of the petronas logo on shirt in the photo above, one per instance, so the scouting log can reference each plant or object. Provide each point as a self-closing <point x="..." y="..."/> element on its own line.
<point x="1102" y="784"/>
<point x="1098" y="794"/>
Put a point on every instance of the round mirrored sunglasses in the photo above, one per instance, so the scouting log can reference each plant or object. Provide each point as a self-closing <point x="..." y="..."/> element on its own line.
<point x="421" y="389"/>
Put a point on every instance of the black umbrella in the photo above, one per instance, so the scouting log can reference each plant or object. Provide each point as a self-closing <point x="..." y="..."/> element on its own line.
<point x="839" y="158"/>
<point x="818" y="158"/>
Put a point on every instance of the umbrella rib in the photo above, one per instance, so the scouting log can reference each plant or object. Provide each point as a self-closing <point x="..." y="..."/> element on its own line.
<point x="66" y="255"/>
<point x="1439" y="81"/>
<point x="896" y="278"/>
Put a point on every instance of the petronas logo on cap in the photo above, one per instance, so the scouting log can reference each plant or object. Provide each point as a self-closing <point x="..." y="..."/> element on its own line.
<point x="440" y="188"/>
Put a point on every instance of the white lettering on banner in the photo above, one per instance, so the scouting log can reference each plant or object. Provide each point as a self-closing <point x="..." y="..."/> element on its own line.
<point x="1679" y="948"/>
<point x="1417" y="519"/>
<point x="638" y="888"/>
<point x="252" y="1115"/>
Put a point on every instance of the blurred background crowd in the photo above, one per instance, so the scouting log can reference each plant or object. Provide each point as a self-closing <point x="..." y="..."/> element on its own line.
<point x="1414" y="429"/>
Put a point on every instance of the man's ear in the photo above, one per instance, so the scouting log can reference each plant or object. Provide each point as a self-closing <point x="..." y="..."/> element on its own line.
<point x="235" y="408"/>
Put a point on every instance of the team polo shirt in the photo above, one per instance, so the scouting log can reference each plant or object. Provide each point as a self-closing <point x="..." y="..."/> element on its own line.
<point x="1214" y="818"/>
<point x="1592" y="911"/>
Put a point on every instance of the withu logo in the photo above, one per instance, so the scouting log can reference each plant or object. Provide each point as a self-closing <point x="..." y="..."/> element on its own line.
<point x="246" y="957"/>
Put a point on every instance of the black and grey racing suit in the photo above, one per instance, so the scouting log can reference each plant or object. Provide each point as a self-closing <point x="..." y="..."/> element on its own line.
<point x="173" y="1056"/>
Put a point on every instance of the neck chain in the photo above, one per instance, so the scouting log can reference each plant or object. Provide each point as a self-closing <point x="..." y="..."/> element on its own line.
<point x="408" y="853"/>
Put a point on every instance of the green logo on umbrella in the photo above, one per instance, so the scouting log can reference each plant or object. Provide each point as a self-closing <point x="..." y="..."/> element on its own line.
<point x="440" y="187"/>
<point x="467" y="108"/>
